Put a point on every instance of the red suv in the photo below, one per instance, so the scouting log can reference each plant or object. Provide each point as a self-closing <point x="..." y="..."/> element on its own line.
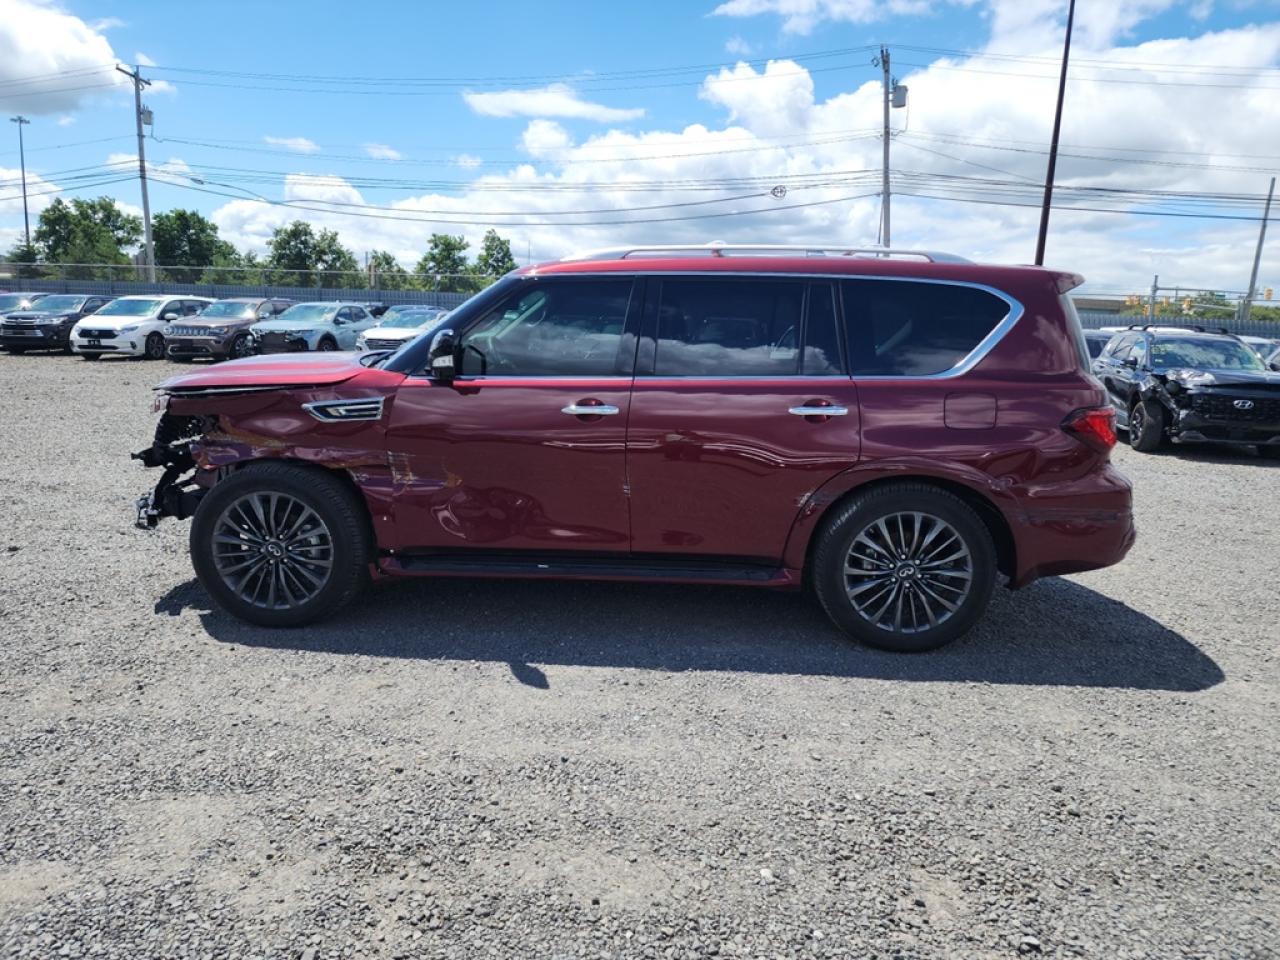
<point x="890" y="430"/>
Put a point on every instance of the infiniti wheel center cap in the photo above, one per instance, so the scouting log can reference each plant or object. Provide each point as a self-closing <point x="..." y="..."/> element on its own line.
<point x="274" y="549"/>
<point x="907" y="571"/>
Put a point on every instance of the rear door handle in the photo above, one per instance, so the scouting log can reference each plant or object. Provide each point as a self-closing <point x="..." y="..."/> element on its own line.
<point x="816" y="411"/>
<point x="590" y="410"/>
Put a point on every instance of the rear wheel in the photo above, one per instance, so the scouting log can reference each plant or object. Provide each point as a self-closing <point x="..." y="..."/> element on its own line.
<point x="154" y="347"/>
<point x="326" y="344"/>
<point x="906" y="567"/>
<point x="1146" y="426"/>
<point x="280" y="545"/>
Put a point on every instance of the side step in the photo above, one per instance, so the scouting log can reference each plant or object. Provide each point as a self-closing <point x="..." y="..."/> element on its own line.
<point x="675" y="569"/>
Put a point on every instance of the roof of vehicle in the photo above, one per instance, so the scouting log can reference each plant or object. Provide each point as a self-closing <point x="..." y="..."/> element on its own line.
<point x="816" y="259"/>
<point x="20" y="293"/>
<point x="163" y="296"/>
<point x="1182" y="332"/>
<point x="250" y="299"/>
<point x="327" y="303"/>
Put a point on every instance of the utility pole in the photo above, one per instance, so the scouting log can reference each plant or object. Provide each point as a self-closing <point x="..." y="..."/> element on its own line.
<point x="149" y="250"/>
<point x="1053" y="143"/>
<point x="1257" y="255"/>
<point x="22" y="160"/>
<point x="886" y="84"/>
<point x="1155" y="288"/>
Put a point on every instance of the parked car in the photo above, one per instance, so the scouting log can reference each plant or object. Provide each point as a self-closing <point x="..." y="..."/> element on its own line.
<point x="1262" y="346"/>
<point x="894" y="431"/>
<point x="398" y="326"/>
<point x="10" y="302"/>
<point x="1095" y="340"/>
<point x="1170" y="383"/>
<point x="47" y="323"/>
<point x="134" y="326"/>
<point x="221" y="330"/>
<point x="324" y="325"/>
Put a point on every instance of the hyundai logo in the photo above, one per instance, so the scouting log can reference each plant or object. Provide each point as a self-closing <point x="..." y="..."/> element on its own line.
<point x="1243" y="404"/>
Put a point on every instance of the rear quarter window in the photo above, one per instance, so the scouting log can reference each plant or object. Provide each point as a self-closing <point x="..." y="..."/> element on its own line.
<point x="903" y="328"/>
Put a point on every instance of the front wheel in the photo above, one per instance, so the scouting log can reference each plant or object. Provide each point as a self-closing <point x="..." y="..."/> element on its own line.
<point x="280" y="545"/>
<point x="241" y="347"/>
<point x="326" y="345"/>
<point x="1146" y="426"/>
<point x="906" y="567"/>
<point x="154" y="347"/>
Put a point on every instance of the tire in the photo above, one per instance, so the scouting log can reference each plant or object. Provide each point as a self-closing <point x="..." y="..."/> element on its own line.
<point x="326" y="345"/>
<point x="153" y="348"/>
<point x="1146" y="426"/>
<point x="91" y="356"/>
<point x="852" y="595"/>
<point x="240" y="347"/>
<point x="296" y="588"/>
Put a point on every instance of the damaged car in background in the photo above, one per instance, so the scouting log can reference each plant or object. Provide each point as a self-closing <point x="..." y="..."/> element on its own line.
<point x="1189" y="385"/>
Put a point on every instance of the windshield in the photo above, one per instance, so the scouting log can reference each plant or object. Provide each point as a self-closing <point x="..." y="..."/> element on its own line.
<point x="1172" y="352"/>
<point x="62" y="303"/>
<point x="14" y="301"/>
<point x="308" y="312"/>
<point x="229" y="309"/>
<point x="129" y="308"/>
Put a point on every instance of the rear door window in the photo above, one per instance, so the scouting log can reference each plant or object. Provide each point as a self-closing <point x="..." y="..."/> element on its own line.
<point x="903" y="328"/>
<point x="729" y="328"/>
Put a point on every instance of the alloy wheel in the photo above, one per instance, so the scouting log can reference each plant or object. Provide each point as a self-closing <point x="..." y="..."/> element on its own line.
<point x="908" y="572"/>
<point x="272" y="550"/>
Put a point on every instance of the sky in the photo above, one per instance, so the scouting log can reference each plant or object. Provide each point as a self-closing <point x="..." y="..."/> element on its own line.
<point x="574" y="125"/>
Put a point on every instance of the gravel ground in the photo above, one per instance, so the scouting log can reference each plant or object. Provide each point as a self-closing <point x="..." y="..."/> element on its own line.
<point x="487" y="769"/>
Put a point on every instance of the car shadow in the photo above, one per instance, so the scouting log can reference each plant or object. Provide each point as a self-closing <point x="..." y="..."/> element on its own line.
<point x="1215" y="453"/>
<point x="1055" y="632"/>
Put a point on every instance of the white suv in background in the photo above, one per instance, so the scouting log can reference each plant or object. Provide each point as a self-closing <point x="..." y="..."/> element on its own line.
<point x="132" y="326"/>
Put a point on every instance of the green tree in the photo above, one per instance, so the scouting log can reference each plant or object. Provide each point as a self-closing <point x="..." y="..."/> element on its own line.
<point x="185" y="243"/>
<point x="311" y="258"/>
<point x="444" y="266"/>
<point x="86" y="232"/>
<point x="386" y="272"/>
<point x="23" y="256"/>
<point x="495" y="259"/>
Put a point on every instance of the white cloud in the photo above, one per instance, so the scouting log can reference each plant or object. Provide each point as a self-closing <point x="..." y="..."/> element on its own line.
<point x="69" y="59"/>
<point x="296" y="144"/>
<point x="106" y="23"/>
<point x="738" y="47"/>
<point x="555" y="100"/>
<point x="380" y="151"/>
<point x="801" y="16"/>
<point x="774" y="129"/>
<point x="156" y="86"/>
<point x="545" y="138"/>
<point x="468" y="161"/>
<point x="38" y="195"/>
<point x="66" y="120"/>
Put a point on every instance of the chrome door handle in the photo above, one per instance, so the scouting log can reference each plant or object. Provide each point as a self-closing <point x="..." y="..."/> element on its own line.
<point x="590" y="410"/>
<point x="818" y="411"/>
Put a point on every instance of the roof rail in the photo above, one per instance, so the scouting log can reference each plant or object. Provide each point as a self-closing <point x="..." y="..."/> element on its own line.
<point x="716" y="249"/>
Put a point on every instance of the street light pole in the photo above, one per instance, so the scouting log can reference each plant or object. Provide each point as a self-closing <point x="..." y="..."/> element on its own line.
<point x="22" y="161"/>
<point x="1053" y="144"/>
<point x="148" y="247"/>
<point x="1257" y="255"/>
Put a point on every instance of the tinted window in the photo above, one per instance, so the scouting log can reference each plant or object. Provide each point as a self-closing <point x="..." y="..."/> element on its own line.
<point x="906" y="329"/>
<point x="1119" y="348"/>
<point x="1140" y="351"/>
<point x="570" y="328"/>
<point x="729" y="328"/>
<point x="342" y="316"/>
<point x="1096" y="343"/>
<point x="1204" y="353"/>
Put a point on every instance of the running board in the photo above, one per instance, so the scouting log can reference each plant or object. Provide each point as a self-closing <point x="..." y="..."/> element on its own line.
<point x="677" y="569"/>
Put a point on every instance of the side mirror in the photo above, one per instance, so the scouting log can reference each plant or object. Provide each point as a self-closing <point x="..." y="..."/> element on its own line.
<point x="1131" y="362"/>
<point x="169" y="317"/>
<point x="1275" y="365"/>
<point x="442" y="357"/>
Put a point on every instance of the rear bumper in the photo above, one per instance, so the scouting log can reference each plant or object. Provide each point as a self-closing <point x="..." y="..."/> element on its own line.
<point x="1083" y="525"/>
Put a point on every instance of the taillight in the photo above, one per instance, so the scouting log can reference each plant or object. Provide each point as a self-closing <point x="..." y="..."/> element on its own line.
<point x="1093" y="426"/>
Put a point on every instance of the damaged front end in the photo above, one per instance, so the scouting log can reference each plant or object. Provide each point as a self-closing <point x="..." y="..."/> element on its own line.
<point x="179" y="490"/>
<point x="1207" y="407"/>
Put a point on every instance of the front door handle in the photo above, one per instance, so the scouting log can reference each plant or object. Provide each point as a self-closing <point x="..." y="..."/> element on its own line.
<point x="590" y="410"/>
<point x="814" y="410"/>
